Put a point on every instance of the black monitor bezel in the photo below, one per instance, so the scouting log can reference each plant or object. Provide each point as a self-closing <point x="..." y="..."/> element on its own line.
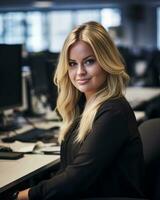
<point x="18" y="104"/>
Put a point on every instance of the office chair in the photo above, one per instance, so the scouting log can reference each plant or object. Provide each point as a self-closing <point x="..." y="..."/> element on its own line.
<point x="150" y="134"/>
<point x="152" y="109"/>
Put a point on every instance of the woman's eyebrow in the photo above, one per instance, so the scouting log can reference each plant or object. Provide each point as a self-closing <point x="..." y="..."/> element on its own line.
<point x="71" y="59"/>
<point x="88" y="57"/>
<point x="83" y="58"/>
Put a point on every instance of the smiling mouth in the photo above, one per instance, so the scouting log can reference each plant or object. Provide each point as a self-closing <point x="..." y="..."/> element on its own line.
<point x="82" y="81"/>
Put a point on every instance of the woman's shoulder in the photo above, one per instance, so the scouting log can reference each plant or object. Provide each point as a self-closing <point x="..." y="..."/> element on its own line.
<point x="119" y="103"/>
<point x="117" y="106"/>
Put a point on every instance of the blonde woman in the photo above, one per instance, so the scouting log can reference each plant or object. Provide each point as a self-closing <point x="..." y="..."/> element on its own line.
<point x="101" y="150"/>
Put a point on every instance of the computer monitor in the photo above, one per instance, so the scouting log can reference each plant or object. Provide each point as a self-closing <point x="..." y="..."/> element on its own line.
<point x="37" y="63"/>
<point x="42" y="66"/>
<point x="52" y="88"/>
<point x="10" y="83"/>
<point x="10" y="76"/>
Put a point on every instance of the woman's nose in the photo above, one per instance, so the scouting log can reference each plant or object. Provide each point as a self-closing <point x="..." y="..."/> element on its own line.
<point x="81" y="70"/>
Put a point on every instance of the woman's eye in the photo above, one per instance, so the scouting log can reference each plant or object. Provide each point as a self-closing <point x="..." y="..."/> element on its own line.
<point x="89" y="61"/>
<point x="72" y="64"/>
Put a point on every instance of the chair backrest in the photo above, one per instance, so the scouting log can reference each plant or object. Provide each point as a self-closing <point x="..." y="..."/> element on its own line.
<point x="150" y="134"/>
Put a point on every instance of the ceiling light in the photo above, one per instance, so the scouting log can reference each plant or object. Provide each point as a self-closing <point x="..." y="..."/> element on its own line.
<point x="43" y="4"/>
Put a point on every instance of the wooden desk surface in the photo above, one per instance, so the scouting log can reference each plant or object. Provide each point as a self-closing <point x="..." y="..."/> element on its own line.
<point x="13" y="172"/>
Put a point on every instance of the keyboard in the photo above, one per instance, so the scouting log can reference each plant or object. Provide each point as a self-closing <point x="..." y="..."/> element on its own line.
<point x="33" y="135"/>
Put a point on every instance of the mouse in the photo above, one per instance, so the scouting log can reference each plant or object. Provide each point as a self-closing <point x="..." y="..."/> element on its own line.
<point x="38" y="145"/>
<point x="5" y="149"/>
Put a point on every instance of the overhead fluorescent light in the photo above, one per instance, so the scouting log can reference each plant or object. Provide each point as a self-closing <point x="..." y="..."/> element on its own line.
<point x="43" y="4"/>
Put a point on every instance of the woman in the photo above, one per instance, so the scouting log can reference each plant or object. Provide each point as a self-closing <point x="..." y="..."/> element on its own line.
<point x="101" y="150"/>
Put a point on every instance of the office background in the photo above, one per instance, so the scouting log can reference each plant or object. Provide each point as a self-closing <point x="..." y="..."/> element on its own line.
<point x="42" y="26"/>
<point x="31" y="37"/>
<point x="47" y="22"/>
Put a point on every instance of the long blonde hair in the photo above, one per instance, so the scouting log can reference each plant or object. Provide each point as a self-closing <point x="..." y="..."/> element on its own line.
<point x="109" y="58"/>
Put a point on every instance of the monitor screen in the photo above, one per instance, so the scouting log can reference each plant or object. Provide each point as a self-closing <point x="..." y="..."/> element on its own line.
<point x="37" y="64"/>
<point x="10" y="76"/>
<point x="52" y="94"/>
<point x="42" y="66"/>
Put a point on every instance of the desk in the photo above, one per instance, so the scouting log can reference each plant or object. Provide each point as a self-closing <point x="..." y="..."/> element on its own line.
<point x="13" y="172"/>
<point x="137" y="96"/>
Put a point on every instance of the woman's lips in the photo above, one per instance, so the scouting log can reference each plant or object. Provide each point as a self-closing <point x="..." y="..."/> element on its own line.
<point x="82" y="81"/>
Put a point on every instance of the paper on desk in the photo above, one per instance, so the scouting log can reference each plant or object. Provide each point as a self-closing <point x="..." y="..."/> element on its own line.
<point x="27" y="147"/>
<point x="50" y="148"/>
<point x="24" y="147"/>
<point x="47" y="125"/>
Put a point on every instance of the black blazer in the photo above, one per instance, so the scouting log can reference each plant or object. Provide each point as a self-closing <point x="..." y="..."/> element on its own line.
<point x="108" y="163"/>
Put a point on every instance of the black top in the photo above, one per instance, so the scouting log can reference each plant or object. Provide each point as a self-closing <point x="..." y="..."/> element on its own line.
<point x="108" y="163"/>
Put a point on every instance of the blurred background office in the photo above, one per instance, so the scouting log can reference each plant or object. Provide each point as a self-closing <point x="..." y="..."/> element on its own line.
<point x="40" y="28"/>
<point x="31" y="36"/>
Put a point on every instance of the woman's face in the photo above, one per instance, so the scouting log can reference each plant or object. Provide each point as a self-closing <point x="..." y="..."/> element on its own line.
<point x="84" y="71"/>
